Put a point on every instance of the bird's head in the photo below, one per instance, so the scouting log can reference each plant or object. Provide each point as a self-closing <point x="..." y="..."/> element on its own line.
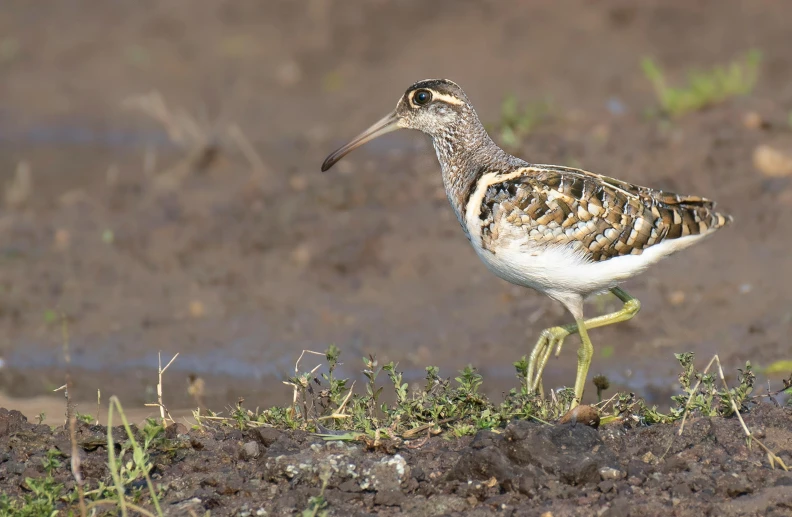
<point x="434" y="106"/>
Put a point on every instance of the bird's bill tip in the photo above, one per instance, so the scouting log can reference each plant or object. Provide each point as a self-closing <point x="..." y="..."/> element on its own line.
<point x="385" y="125"/>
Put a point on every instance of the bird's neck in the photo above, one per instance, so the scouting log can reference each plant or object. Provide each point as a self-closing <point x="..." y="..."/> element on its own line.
<point x="466" y="152"/>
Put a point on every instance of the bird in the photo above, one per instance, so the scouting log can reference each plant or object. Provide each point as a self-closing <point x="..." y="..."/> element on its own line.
<point x="564" y="232"/>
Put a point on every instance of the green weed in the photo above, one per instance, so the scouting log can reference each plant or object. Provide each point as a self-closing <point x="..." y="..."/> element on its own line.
<point x="704" y="88"/>
<point x="706" y="399"/>
<point x="317" y="505"/>
<point x="43" y="493"/>
<point x="516" y="122"/>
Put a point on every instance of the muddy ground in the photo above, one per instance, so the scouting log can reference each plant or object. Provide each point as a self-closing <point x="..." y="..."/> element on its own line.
<point x="526" y="468"/>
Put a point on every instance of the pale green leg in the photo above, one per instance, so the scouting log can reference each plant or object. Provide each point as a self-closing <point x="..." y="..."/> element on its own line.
<point x="585" y="353"/>
<point x="554" y="337"/>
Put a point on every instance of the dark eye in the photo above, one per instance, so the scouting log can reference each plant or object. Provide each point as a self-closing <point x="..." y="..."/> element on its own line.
<point x="422" y="97"/>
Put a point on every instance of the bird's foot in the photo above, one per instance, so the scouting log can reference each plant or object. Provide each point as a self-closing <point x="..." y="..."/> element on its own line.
<point x="549" y="339"/>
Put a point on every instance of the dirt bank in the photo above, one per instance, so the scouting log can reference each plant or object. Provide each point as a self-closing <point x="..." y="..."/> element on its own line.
<point x="526" y="468"/>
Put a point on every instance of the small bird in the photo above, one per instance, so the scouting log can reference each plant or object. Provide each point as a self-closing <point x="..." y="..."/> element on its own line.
<point x="564" y="232"/>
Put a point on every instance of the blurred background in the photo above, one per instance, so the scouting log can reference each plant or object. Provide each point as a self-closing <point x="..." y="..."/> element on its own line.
<point x="159" y="165"/>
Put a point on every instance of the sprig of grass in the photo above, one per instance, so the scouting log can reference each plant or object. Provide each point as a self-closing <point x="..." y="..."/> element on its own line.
<point x="704" y="88"/>
<point x="139" y="466"/>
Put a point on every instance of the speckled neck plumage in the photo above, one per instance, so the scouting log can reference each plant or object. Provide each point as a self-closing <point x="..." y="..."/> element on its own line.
<point x="466" y="152"/>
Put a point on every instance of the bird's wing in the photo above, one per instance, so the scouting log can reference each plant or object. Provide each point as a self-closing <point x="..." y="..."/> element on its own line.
<point x="602" y="216"/>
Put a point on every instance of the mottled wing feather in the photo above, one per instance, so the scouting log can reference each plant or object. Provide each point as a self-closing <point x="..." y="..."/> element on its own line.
<point x="602" y="216"/>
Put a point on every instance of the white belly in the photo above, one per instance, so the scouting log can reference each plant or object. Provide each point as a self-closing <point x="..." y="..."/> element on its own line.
<point x="517" y="259"/>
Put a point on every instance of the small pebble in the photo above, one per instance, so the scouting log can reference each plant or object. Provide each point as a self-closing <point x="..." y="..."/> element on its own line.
<point x="676" y="298"/>
<point x="649" y="458"/>
<point x="197" y="309"/>
<point x="289" y="73"/>
<point x="608" y="473"/>
<point x="298" y="183"/>
<point x="772" y="162"/>
<point x="252" y="450"/>
<point x="752" y="120"/>
<point x="301" y="255"/>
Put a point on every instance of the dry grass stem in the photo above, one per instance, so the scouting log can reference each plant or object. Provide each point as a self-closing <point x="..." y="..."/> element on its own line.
<point x="98" y="405"/>
<point x="296" y="388"/>
<point x="164" y="414"/>
<point x="200" y="140"/>
<point x="247" y="149"/>
<point x="71" y="419"/>
<point x="339" y="413"/>
<point x="20" y="188"/>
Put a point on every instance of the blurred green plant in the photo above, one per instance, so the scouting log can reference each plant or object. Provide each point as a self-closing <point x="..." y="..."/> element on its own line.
<point x="516" y="121"/>
<point x="332" y="81"/>
<point x="704" y="88"/>
<point x="781" y="366"/>
<point x="50" y="316"/>
<point x="317" y="505"/>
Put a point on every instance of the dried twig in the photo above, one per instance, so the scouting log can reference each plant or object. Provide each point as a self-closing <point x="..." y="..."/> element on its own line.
<point x="98" y="404"/>
<point x="244" y="145"/>
<point x="422" y="442"/>
<point x="428" y="426"/>
<point x="71" y="419"/>
<point x="163" y="410"/>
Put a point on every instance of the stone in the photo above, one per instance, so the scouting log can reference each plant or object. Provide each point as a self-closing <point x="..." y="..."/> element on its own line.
<point x="175" y="430"/>
<point x="675" y="464"/>
<point x="574" y="453"/>
<point x="267" y="435"/>
<point x="11" y="421"/>
<point x="607" y="473"/>
<point x="251" y="450"/>
<point x="482" y="464"/>
<point x="771" y="162"/>
<point x="389" y="498"/>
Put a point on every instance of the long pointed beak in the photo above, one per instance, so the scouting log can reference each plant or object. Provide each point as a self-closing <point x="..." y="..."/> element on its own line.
<point x="386" y="125"/>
